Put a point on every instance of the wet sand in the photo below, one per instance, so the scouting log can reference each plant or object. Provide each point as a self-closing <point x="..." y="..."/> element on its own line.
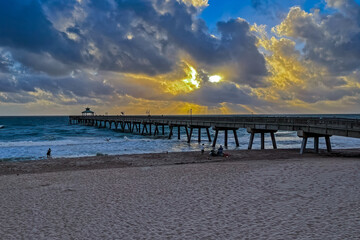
<point x="272" y="194"/>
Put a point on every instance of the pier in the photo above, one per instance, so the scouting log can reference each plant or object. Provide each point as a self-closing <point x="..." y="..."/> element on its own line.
<point x="306" y="127"/>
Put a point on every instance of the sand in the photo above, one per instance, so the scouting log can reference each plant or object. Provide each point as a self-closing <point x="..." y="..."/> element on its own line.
<point x="250" y="195"/>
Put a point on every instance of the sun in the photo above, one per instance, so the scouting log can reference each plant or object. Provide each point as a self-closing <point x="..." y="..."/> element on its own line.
<point x="215" y="79"/>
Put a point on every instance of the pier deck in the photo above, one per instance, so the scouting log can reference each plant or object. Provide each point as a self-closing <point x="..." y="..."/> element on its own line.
<point x="306" y="127"/>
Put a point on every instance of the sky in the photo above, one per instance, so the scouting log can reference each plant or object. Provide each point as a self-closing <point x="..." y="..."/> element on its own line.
<point x="169" y="56"/>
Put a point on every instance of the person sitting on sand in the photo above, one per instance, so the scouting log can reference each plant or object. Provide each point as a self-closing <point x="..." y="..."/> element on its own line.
<point x="220" y="151"/>
<point x="48" y="154"/>
<point x="213" y="153"/>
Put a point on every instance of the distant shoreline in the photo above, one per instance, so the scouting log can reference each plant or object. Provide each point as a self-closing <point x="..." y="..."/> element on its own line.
<point x="162" y="159"/>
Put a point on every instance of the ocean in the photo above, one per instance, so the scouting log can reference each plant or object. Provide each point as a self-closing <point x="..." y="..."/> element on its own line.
<point x="28" y="138"/>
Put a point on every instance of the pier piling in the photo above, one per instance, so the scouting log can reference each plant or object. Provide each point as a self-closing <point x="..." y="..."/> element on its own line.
<point x="262" y="132"/>
<point x="225" y="129"/>
<point x="306" y="135"/>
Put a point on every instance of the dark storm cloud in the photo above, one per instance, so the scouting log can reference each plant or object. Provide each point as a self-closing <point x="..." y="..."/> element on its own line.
<point x="129" y="36"/>
<point x="42" y="62"/>
<point x="23" y="25"/>
<point x="5" y="62"/>
<point x="19" y="98"/>
<point x="316" y="94"/>
<point x="49" y="40"/>
<point x="250" y="64"/>
<point x="78" y="86"/>
<point x="236" y="44"/>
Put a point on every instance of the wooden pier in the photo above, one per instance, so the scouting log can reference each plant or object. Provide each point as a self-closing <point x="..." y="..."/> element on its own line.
<point x="306" y="127"/>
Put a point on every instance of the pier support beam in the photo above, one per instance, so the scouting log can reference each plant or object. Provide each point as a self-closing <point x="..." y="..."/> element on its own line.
<point x="306" y="135"/>
<point x="156" y="131"/>
<point x="217" y="129"/>
<point x="272" y="134"/>
<point x="226" y="138"/>
<point x="215" y="138"/>
<point x="128" y="124"/>
<point x="170" y="131"/>
<point x="189" y="135"/>
<point x="171" y="128"/>
<point x="328" y="143"/>
<point x="262" y="132"/>
<point x="144" y="129"/>
<point x="134" y="126"/>
<point x="208" y="134"/>
<point x="236" y="138"/>
<point x="199" y="135"/>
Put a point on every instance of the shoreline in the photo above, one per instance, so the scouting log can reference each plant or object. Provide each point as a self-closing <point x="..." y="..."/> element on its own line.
<point x="162" y="159"/>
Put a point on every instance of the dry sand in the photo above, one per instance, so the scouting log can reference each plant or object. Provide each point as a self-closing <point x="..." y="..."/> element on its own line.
<point x="250" y="195"/>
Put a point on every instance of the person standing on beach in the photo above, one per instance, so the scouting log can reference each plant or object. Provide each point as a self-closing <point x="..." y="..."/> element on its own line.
<point x="48" y="154"/>
<point x="202" y="149"/>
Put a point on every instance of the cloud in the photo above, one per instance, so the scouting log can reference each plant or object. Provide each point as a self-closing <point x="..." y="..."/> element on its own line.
<point x="347" y="7"/>
<point x="197" y="3"/>
<point x="148" y="52"/>
<point x="214" y="94"/>
<point x="65" y="41"/>
<point x="79" y="85"/>
<point x="300" y="82"/>
<point x="23" y="25"/>
<point x="124" y="36"/>
<point x="331" y="40"/>
<point x="240" y="45"/>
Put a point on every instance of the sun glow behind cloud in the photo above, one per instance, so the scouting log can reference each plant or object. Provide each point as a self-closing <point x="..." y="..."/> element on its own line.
<point x="215" y="79"/>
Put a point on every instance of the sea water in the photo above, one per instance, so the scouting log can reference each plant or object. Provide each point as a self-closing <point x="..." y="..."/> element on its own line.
<point x="28" y="138"/>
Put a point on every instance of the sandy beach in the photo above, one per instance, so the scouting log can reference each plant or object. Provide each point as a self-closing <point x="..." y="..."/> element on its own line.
<point x="271" y="194"/>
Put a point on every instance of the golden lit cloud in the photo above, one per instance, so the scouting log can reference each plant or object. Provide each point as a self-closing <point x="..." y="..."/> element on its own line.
<point x="284" y="65"/>
<point x="197" y="3"/>
<point x="296" y="14"/>
<point x="183" y="79"/>
<point x="192" y="80"/>
<point x="297" y="84"/>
